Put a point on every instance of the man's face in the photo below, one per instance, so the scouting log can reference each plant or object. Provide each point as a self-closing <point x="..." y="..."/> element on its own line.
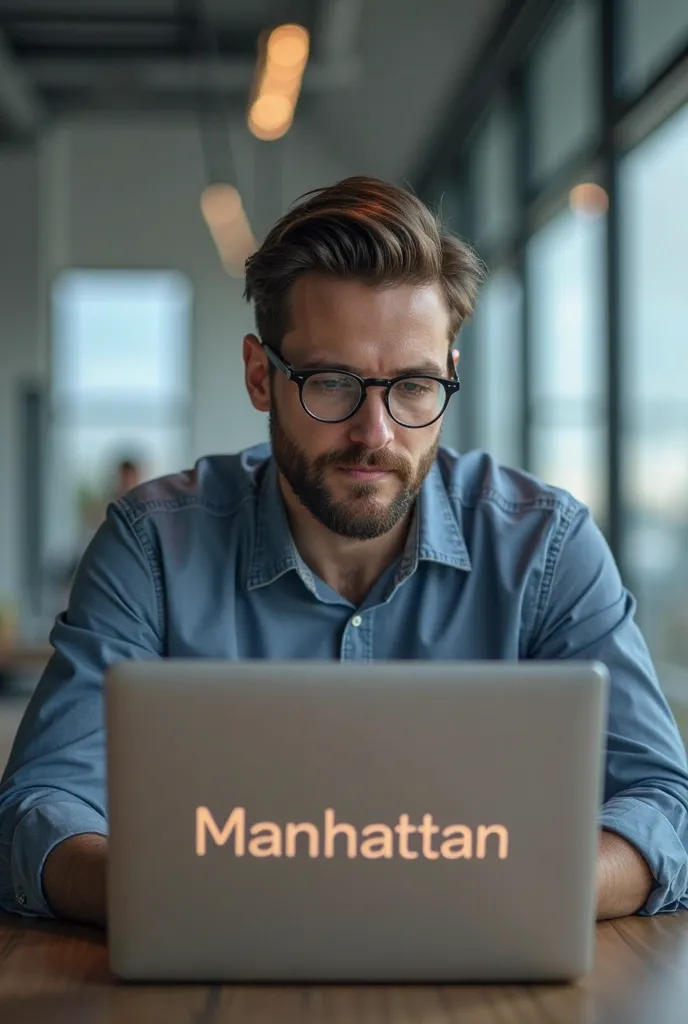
<point x="358" y="477"/>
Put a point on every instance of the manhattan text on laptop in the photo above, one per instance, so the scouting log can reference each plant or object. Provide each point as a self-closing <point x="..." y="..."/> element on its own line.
<point x="319" y="821"/>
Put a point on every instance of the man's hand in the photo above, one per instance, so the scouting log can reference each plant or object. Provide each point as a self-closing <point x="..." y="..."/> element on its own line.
<point x="75" y="879"/>
<point x="624" y="880"/>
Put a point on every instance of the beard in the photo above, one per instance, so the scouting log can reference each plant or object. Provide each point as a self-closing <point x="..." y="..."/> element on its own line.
<point x="363" y="516"/>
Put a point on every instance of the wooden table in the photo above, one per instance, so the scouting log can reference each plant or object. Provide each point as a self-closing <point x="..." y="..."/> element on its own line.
<point x="54" y="973"/>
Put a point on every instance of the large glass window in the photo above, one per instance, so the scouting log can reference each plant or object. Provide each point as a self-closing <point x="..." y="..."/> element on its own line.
<point x="651" y="32"/>
<point x="120" y="391"/>
<point x="655" y="408"/>
<point x="568" y="416"/>
<point x="499" y="374"/>
<point x="494" y="178"/>
<point x="563" y="89"/>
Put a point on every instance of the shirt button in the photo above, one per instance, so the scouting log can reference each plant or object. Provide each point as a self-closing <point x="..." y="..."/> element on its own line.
<point x="21" y="898"/>
<point x="356" y="621"/>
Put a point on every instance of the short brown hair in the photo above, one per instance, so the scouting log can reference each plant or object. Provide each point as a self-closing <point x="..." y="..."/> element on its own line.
<point x="366" y="228"/>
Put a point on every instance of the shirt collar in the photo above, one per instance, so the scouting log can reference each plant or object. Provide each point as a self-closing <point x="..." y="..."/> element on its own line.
<point x="274" y="551"/>
<point x="435" y="535"/>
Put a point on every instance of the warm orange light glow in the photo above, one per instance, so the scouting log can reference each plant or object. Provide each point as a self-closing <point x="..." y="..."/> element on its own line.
<point x="228" y="224"/>
<point x="288" y="46"/>
<point x="589" y="200"/>
<point x="270" y="111"/>
<point x="269" y="134"/>
<point x="278" y="82"/>
<point x="220" y="204"/>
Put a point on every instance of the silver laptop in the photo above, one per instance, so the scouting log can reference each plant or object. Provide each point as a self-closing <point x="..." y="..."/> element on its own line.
<point x="323" y="821"/>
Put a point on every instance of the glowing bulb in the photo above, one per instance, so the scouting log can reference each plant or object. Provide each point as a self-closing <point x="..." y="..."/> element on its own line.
<point x="229" y="228"/>
<point x="270" y="111"/>
<point x="288" y="46"/>
<point x="270" y="116"/>
<point x="278" y="82"/>
<point x="589" y="200"/>
<point x="220" y="204"/>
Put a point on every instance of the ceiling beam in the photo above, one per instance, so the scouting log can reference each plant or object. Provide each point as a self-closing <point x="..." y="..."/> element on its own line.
<point x="166" y="75"/>
<point x="21" y="110"/>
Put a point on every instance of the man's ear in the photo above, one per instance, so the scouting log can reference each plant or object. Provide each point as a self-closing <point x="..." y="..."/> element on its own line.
<point x="455" y="357"/>
<point x="256" y="373"/>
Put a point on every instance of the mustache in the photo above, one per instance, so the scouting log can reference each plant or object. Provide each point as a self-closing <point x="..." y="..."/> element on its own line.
<point x="360" y="457"/>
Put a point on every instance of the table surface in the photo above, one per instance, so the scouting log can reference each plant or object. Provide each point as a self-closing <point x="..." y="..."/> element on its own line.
<point x="57" y="973"/>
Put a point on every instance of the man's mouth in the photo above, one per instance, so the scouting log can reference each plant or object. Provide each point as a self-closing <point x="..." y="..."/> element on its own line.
<point x="367" y="473"/>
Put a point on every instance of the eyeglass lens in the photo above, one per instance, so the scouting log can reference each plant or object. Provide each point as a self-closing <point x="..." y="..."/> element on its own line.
<point x="413" y="401"/>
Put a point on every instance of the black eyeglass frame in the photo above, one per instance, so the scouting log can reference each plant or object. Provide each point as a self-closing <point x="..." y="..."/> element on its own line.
<point x="300" y="377"/>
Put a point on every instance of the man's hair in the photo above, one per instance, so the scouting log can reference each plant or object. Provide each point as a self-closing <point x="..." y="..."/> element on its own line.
<point x="363" y="228"/>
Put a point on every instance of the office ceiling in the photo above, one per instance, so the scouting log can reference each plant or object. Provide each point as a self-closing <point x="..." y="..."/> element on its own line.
<point x="378" y="73"/>
<point x="71" y="56"/>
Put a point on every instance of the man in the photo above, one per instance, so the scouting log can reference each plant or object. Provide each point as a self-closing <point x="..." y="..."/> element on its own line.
<point x="355" y="537"/>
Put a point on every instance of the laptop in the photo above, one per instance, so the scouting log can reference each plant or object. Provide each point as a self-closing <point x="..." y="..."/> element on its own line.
<point x="353" y="822"/>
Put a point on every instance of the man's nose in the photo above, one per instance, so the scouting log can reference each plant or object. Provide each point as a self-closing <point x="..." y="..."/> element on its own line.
<point x="372" y="426"/>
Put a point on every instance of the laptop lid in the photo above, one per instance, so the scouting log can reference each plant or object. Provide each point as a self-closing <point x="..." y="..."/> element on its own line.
<point x="326" y="821"/>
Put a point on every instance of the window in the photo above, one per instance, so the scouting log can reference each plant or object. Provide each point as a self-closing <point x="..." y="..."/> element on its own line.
<point x="651" y="33"/>
<point x="568" y="428"/>
<point x="493" y="168"/>
<point x="498" y="350"/>
<point x="563" y="93"/>
<point x="120" y="390"/>
<point x="655" y="406"/>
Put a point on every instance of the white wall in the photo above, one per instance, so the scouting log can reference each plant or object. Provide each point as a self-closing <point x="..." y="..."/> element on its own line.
<point x="19" y="340"/>
<point x="133" y="201"/>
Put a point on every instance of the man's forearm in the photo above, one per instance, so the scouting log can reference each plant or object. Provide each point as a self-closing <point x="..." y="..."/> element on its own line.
<point x="75" y="879"/>
<point x="624" y="879"/>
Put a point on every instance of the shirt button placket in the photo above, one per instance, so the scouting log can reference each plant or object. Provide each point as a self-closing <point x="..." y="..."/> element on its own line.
<point x="353" y="641"/>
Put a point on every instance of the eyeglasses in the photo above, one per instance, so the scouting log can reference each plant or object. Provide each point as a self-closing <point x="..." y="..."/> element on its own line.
<point x="332" y="396"/>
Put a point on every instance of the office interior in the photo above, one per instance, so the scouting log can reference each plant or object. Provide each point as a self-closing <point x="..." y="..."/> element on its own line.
<point x="551" y="134"/>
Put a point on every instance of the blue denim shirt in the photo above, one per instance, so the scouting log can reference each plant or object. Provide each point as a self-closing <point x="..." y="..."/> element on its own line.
<point x="497" y="566"/>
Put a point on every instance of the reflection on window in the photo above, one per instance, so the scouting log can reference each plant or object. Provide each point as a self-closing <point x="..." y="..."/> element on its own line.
<point x="563" y="89"/>
<point x="655" y="427"/>
<point x="498" y="350"/>
<point x="652" y="32"/>
<point x="568" y="382"/>
<point x="120" y="390"/>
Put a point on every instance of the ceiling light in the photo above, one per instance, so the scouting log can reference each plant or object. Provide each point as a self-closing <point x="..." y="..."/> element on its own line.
<point x="288" y="46"/>
<point x="589" y="200"/>
<point x="283" y="55"/>
<point x="229" y="227"/>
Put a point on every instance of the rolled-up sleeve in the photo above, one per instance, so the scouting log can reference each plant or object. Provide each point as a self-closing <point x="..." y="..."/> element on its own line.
<point x="54" y="784"/>
<point x="586" y="612"/>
